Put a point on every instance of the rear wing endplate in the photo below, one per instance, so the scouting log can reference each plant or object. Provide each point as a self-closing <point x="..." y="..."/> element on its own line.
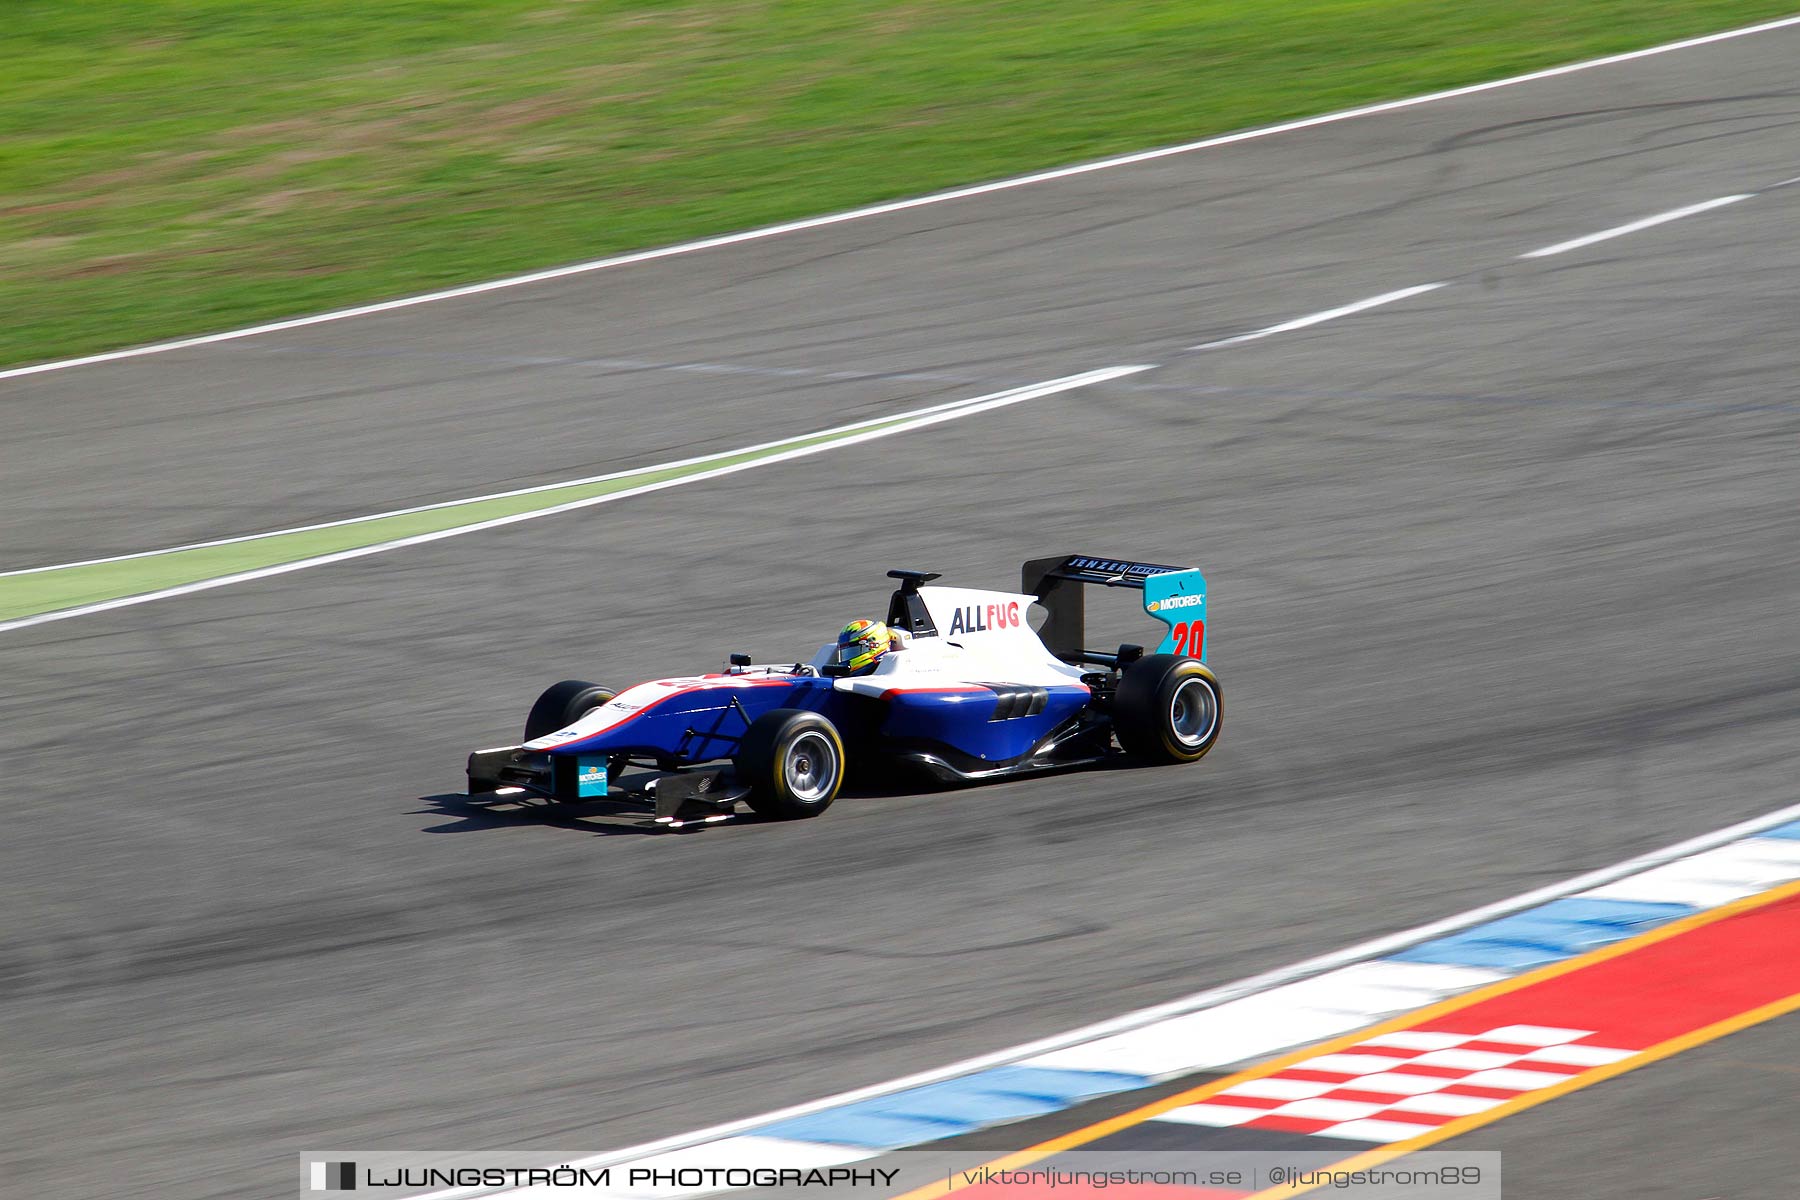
<point x="1176" y="596"/>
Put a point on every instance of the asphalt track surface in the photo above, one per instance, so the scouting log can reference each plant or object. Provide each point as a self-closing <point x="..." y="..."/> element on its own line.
<point x="1503" y="586"/>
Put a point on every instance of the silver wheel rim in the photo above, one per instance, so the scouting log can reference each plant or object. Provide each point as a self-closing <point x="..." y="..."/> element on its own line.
<point x="811" y="767"/>
<point x="1193" y="711"/>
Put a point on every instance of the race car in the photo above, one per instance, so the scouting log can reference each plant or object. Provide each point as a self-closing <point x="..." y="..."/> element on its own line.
<point x="967" y="690"/>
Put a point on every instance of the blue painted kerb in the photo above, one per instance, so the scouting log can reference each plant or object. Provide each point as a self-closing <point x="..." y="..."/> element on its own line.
<point x="1546" y="934"/>
<point x="952" y="1107"/>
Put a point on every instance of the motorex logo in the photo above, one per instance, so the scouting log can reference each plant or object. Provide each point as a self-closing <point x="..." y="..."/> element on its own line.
<point x="333" y="1176"/>
<point x="1168" y="602"/>
<point x="590" y="777"/>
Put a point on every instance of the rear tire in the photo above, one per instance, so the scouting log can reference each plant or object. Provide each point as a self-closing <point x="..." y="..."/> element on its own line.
<point x="562" y="704"/>
<point x="793" y="762"/>
<point x="1168" y="709"/>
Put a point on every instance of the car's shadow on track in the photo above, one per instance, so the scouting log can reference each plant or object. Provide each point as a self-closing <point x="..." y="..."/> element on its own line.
<point x="612" y="818"/>
<point x="476" y="814"/>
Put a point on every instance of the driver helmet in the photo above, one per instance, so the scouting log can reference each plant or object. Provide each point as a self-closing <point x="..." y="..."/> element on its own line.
<point x="860" y="645"/>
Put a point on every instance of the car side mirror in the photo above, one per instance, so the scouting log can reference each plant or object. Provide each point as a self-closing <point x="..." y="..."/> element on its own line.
<point x="740" y="660"/>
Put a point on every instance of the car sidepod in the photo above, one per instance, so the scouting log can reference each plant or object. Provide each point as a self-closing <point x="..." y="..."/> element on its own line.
<point x="973" y="727"/>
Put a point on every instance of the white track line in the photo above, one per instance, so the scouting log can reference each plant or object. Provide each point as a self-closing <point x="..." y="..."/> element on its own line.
<point x="1303" y="322"/>
<point x="875" y="210"/>
<point x="585" y="481"/>
<point x="1212" y="998"/>
<point x="1674" y="214"/>
<point x="1319" y="318"/>
<point x="907" y="422"/>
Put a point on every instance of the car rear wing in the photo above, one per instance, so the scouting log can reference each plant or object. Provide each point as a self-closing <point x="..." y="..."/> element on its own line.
<point x="1176" y="596"/>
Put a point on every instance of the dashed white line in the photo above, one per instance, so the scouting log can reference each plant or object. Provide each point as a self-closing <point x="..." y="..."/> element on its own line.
<point x="1332" y="314"/>
<point x="1674" y="214"/>
<point x="875" y="210"/>
<point x="1319" y="318"/>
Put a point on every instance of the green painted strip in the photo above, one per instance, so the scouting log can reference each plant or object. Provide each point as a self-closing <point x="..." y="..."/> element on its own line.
<point x="49" y="591"/>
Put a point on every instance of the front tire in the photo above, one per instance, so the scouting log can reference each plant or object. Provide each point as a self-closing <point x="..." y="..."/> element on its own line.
<point x="563" y="704"/>
<point x="1168" y="709"/>
<point x="793" y="762"/>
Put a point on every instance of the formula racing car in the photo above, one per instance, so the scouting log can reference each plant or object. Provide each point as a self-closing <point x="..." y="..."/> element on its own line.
<point x="964" y="689"/>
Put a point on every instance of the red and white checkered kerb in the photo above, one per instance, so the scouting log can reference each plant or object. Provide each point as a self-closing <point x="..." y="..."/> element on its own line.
<point x="1403" y="1084"/>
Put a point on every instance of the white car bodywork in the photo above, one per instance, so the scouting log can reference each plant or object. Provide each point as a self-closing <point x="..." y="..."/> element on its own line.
<point x="982" y="637"/>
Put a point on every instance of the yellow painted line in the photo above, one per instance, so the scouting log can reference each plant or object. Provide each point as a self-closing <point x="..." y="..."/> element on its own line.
<point x="1100" y="1129"/>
